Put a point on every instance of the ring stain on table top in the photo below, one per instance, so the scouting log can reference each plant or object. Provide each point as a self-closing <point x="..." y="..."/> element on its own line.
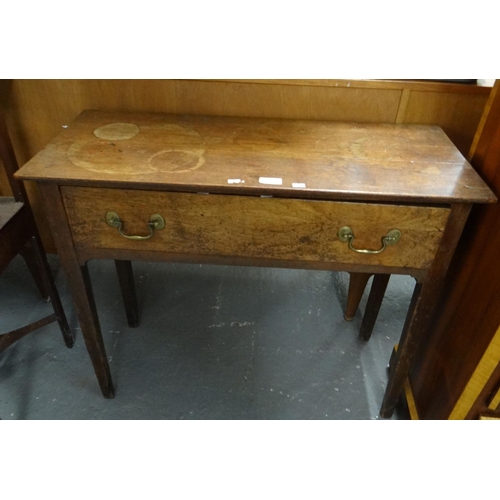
<point x="176" y="160"/>
<point x="182" y="149"/>
<point x="117" y="131"/>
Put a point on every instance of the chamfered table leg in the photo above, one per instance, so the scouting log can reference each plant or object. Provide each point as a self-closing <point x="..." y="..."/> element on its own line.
<point x="79" y="286"/>
<point x="357" y="285"/>
<point x="91" y="329"/>
<point x="127" y="287"/>
<point x="375" y="298"/>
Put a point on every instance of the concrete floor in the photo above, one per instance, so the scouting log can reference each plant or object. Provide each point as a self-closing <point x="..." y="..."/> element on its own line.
<point x="214" y="342"/>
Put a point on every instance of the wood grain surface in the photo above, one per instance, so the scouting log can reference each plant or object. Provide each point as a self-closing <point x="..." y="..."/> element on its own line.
<point x="254" y="227"/>
<point x="337" y="164"/>
<point x="37" y="109"/>
<point x="342" y="161"/>
<point x="469" y="316"/>
<point x="479" y="379"/>
<point x="494" y="404"/>
<point x="406" y="84"/>
<point x="460" y="121"/>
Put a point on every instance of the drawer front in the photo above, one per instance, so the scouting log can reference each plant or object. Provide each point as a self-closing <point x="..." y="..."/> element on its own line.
<point x="254" y="227"/>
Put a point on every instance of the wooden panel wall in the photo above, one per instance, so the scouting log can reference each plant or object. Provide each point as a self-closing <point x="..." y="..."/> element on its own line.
<point x="457" y="114"/>
<point x="37" y="109"/>
<point x="448" y="378"/>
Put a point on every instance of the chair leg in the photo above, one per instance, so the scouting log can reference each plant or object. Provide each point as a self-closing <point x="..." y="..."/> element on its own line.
<point x="7" y="339"/>
<point x="357" y="285"/>
<point x="127" y="286"/>
<point x="48" y="280"/>
<point x="28" y="254"/>
<point x="375" y="298"/>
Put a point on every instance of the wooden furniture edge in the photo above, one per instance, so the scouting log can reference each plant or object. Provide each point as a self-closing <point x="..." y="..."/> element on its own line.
<point x="483" y="378"/>
<point x="278" y="192"/>
<point x="407" y="401"/>
<point x="417" y="85"/>
<point x="422" y="307"/>
<point x="482" y="122"/>
<point x="86" y="254"/>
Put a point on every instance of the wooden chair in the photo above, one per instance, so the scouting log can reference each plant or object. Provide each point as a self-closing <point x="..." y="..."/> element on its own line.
<point x="19" y="235"/>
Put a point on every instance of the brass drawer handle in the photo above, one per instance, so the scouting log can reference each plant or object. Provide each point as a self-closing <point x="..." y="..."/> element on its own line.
<point x="156" y="222"/>
<point x="391" y="238"/>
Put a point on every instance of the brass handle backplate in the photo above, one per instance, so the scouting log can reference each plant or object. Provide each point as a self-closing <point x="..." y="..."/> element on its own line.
<point x="391" y="238"/>
<point x="156" y="222"/>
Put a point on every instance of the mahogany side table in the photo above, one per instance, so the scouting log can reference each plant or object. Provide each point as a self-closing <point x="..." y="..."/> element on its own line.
<point x="382" y="199"/>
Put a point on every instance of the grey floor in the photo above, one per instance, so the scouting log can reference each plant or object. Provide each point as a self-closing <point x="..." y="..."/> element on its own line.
<point x="214" y="342"/>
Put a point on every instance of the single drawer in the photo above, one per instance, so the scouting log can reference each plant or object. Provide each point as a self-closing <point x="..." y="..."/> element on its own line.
<point x="254" y="227"/>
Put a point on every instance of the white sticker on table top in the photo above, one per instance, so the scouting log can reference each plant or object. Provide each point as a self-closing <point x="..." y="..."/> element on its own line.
<point x="235" y="181"/>
<point x="275" y="181"/>
<point x="298" y="184"/>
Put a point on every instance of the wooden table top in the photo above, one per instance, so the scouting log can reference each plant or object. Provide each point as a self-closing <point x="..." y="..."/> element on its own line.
<point x="290" y="158"/>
